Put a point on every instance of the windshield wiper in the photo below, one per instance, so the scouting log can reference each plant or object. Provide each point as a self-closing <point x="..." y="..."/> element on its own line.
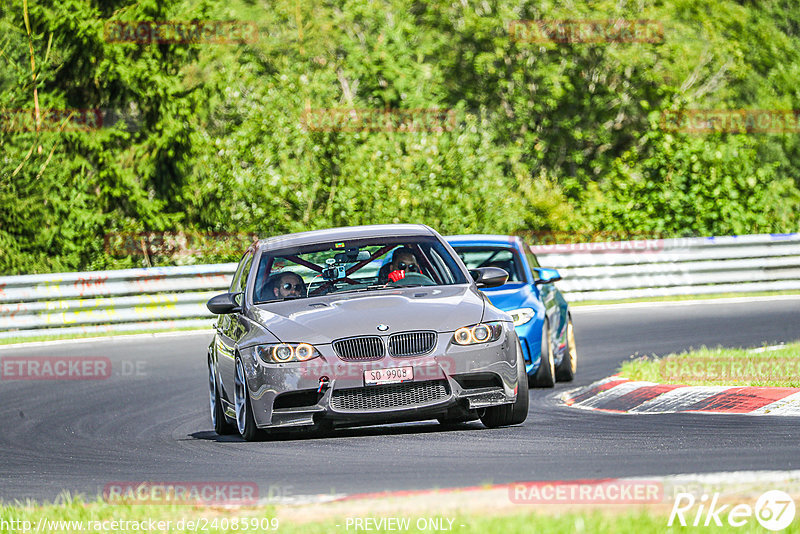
<point x="374" y="287"/>
<point x="355" y="290"/>
<point x="378" y="286"/>
<point x="362" y="289"/>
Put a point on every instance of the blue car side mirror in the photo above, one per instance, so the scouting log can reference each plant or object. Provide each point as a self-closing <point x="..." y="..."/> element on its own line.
<point x="546" y="276"/>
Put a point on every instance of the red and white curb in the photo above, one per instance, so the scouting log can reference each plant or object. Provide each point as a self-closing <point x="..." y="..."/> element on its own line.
<point x="620" y="395"/>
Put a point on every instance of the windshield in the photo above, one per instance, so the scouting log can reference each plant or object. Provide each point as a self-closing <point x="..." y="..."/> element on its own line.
<point x="487" y="256"/>
<point x="357" y="265"/>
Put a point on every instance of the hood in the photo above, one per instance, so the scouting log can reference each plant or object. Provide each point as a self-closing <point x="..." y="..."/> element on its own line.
<point x="509" y="296"/>
<point x="320" y="320"/>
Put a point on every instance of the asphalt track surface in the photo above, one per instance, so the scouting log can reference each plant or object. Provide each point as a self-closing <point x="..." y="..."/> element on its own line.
<point x="149" y="422"/>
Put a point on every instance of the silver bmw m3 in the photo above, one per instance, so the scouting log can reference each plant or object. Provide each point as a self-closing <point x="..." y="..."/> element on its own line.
<point x="359" y="326"/>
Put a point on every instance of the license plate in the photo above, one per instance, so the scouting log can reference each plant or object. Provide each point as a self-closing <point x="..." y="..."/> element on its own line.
<point x="395" y="375"/>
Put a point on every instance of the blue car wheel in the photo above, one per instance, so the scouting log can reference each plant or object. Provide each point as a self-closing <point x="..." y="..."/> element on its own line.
<point x="565" y="371"/>
<point x="545" y="376"/>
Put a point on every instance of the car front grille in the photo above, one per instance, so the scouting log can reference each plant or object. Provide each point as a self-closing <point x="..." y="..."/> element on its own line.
<point x="412" y="343"/>
<point x="359" y="349"/>
<point x="390" y="396"/>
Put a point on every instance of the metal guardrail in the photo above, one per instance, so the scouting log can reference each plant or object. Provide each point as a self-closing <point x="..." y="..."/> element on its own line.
<point x="672" y="267"/>
<point x="160" y="298"/>
<point x="166" y="298"/>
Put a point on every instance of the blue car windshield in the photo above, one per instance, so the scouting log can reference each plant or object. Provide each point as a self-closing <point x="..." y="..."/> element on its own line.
<point x="488" y="256"/>
<point x="356" y="265"/>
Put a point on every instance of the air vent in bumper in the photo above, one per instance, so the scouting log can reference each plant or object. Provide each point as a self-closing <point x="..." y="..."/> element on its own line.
<point x="404" y="395"/>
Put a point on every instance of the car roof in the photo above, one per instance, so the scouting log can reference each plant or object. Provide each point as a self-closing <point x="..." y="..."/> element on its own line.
<point x="345" y="233"/>
<point x="482" y="239"/>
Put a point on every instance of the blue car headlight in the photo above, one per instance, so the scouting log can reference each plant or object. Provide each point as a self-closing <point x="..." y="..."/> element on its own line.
<point x="479" y="333"/>
<point x="286" y="352"/>
<point x="521" y="316"/>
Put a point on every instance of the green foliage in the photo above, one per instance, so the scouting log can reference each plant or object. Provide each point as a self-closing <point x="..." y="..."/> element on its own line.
<point x="685" y="185"/>
<point x="544" y="136"/>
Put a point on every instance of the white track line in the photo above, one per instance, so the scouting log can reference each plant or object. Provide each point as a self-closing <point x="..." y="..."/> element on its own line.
<point x="576" y="308"/>
<point x="123" y="337"/>
<point x="770" y="348"/>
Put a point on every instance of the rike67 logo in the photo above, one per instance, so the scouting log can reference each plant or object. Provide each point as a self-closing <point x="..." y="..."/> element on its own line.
<point x="774" y="510"/>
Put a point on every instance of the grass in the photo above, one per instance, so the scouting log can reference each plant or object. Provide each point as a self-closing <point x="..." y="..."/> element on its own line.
<point x="776" y="367"/>
<point x="610" y="518"/>
<point x="685" y="297"/>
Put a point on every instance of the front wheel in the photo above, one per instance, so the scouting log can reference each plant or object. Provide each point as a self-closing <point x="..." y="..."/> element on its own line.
<point x="244" y="411"/>
<point x="545" y="376"/>
<point x="511" y="414"/>
<point x="565" y="371"/>
<point x="218" y="419"/>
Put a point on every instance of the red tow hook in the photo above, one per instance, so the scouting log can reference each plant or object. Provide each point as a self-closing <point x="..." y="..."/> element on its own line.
<point x="323" y="383"/>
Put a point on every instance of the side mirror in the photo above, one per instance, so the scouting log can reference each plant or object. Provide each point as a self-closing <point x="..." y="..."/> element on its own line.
<point x="488" y="276"/>
<point x="224" y="304"/>
<point x="546" y="276"/>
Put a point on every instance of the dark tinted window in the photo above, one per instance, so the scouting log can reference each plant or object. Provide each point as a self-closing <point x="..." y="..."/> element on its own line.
<point x="502" y="257"/>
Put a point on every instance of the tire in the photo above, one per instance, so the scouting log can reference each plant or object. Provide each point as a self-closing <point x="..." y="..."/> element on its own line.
<point x="545" y="376"/>
<point x="511" y="414"/>
<point x="520" y="407"/>
<point x="244" y="410"/>
<point x="565" y="371"/>
<point x="218" y="419"/>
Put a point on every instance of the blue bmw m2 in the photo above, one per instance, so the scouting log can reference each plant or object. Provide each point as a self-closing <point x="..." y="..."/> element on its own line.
<point x="541" y="314"/>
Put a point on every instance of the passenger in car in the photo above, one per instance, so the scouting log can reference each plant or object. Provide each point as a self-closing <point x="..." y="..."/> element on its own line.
<point x="285" y="285"/>
<point x="403" y="261"/>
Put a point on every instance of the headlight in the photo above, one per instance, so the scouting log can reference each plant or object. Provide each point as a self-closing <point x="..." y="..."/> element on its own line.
<point x="286" y="352"/>
<point x="480" y="333"/>
<point x="522" y="315"/>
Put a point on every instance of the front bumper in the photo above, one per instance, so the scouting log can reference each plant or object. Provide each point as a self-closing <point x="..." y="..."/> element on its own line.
<point x="449" y="382"/>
